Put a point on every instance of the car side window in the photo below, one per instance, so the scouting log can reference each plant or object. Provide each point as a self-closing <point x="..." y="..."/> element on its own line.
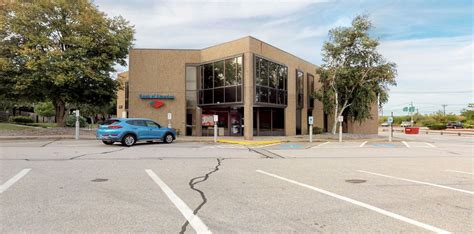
<point x="137" y="123"/>
<point x="152" y="124"/>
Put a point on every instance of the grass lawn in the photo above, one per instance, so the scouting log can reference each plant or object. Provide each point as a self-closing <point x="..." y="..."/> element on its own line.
<point x="8" y="126"/>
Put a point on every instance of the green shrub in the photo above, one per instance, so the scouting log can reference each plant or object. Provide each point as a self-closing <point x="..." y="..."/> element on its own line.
<point x="71" y="121"/>
<point x="437" y="126"/>
<point x="21" y="119"/>
<point x="317" y="130"/>
<point x="428" y="122"/>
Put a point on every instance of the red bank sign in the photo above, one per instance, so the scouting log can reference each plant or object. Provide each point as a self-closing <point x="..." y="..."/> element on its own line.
<point x="156" y="104"/>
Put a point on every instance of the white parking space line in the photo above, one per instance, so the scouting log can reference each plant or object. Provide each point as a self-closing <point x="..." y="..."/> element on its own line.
<point x="363" y="143"/>
<point x="406" y="144"/>
<point x="430" y="145"/>
<point x="418" y="182"/>
<point x="470" y="173"/>
<point x="13" y="180"/>
<point x="358" y="203"/>
<point x="325" y="143"/>
<point x="193" y="219"/>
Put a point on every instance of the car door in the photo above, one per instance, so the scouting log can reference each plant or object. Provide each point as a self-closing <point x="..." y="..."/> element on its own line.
<point x="140" y="128"/>
<point x="155" y="130"/>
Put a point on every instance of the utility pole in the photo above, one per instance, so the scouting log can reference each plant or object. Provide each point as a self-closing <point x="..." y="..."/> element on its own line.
<point x="444" y="108"/>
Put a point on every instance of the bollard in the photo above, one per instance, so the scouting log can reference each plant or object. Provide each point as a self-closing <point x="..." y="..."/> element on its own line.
<point x="77" y="124"/>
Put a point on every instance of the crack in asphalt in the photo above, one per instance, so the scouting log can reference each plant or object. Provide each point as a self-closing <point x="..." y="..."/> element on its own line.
<point x="192" y="183"/>
<point x="105" y="152"/>
<point x="44" y="145"/>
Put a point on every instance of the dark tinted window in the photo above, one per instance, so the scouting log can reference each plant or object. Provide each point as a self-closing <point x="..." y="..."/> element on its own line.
<point x="270" y="81"/>
<point x="208" y="76"/>
<point x="111" y="122"/>
<point x="137" y="122"/>
<point x="218" y="74"/>
<point x="221" y="81"/>
<point x="152" y="124"/>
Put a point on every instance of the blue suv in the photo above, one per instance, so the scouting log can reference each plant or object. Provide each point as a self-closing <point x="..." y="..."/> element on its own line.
<point x="129" y="131"/>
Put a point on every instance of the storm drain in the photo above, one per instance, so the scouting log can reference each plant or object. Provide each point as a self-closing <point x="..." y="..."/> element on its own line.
<point x="99" y="180"/>
<point x="356" y="181"/>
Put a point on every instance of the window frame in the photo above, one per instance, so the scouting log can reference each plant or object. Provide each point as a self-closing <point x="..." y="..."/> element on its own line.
<point x="238" y="82"/>
<point x="276" y="89"/>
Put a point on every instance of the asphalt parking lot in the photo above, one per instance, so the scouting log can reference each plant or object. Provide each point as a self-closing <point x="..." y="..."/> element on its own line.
<point x="416" y="184"/>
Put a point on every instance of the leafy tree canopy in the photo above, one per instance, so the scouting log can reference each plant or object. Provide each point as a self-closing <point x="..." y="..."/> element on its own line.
<point x="45" y="109"/>
<point x="61" y="50"/>
<point x="354" y="75"/>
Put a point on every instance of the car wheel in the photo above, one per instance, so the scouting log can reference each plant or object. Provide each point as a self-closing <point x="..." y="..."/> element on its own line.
<point x="129" y="140"/>
<point x="168" y="138"/>
<point x="108" y="142"/>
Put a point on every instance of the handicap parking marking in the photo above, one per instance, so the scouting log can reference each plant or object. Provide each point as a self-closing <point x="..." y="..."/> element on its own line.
<point x="384" y="145"/>
<point x="291" y="146"/>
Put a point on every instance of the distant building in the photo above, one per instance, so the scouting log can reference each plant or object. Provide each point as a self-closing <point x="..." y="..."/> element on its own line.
<point x="255" y="89"/>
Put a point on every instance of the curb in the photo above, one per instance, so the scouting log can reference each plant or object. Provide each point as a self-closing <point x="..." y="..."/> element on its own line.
<point x="249" y="142"/>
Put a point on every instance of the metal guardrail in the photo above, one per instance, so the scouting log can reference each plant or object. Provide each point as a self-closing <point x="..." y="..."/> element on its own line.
<point x="459" y="133"/>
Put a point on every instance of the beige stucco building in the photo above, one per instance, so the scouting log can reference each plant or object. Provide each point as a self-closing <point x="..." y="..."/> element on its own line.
<point x="253" y="87"/>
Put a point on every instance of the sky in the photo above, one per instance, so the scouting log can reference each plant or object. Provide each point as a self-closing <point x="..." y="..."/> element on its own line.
<point x="430" y="41"/>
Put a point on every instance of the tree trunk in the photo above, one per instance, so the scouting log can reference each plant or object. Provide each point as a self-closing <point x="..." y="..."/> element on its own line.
<point x="60" y="109"/>
<point x="334" y="126"/>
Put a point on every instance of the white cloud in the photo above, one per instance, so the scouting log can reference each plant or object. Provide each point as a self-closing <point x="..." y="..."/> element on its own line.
<point x="431" y="65"/>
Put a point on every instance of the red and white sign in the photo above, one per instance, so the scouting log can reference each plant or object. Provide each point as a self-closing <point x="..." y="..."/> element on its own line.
<point x="156" y="104"/>
<point x="207" y="120"/>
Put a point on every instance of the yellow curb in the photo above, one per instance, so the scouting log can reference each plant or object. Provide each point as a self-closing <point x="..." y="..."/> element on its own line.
<point x="249" y="142"/>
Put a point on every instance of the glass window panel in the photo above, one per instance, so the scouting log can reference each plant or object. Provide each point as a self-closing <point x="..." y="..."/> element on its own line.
<point x="272" y="96"/>
<point x="191" y="75"/>
<point x="280" y="77"/>
<point x="238" y="79"/>
<point x="272" y="75"/>
<point x="263" y="94"/>
<point x="219" y="74"/>
<point x="285" y="75"/>
<point x="208" y="96"/>
<point x="230" y="72"/>
<point x="263" y="73"/>
<point x="218" y="95"/>
<point x="208" y="76"/>
<point x="231" y="94"/>
<point x="239" y="93"/>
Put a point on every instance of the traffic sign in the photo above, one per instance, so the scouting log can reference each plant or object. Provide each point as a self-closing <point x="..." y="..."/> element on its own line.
<point x="169" y="116"/>
<point x="310" y="120"/>
<point x="390" y="120"/>
<point x="340" y="118"/>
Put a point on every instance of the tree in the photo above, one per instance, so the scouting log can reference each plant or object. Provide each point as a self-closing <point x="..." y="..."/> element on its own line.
<point x="61" y="50"/>
<point x="353" y="75"/>
<point x="45" y="109"/>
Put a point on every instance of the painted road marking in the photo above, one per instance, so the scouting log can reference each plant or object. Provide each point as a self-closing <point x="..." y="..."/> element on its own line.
<point x="365" y="205"/>
<point x="418" y="182"/>
<point x="430" y="145"/>
<point x="406" y="144"/>
<point x="13" y="180"/>
<point x="327" y="142"/>
<point x="470" y="173"/>
<point x="193" y="219"/>
<point x="363" y="143"/>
